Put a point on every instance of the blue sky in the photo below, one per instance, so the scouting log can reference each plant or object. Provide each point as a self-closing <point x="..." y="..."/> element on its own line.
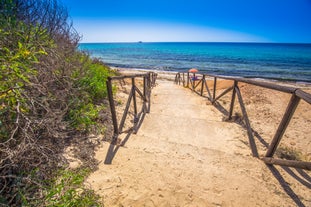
<point x="192" y="20"/>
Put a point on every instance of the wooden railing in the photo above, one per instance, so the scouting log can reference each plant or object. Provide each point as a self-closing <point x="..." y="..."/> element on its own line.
<point x="194" y="81"/>
<point x="149" y="80"/>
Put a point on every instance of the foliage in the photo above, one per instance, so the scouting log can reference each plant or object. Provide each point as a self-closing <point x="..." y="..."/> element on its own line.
<point x="84" y="115"/>
<point x="68" y="190"/>
<point x="17" y="67"/>
<point x="49" y="94"/>
<point x="91" y="84"/>
<point x="94" y="81"/>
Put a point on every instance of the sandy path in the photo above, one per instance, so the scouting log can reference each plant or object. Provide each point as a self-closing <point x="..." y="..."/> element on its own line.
<point x="185" y="155"/>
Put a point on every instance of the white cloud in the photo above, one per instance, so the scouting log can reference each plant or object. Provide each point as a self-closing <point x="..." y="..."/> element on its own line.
<point x="148" y="31"/>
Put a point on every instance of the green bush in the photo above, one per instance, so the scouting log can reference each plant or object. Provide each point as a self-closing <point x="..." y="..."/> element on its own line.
<point x="83" y="116"/>
<point x="85" y="109"/>
<point x="68" y="190"/>
<point x="17" y="64"/>
<point x="49" y="92"/>
<point x="94" y="81"/>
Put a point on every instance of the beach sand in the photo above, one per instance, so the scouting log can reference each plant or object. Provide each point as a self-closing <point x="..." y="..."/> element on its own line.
<point x="186" y="154"/>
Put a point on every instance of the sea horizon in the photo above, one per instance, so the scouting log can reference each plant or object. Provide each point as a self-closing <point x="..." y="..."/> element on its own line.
<point x="251" y="42"/>
<point x="275" y="61"/>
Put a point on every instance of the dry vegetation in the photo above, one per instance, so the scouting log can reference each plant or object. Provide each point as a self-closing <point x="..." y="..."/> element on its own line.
<point x="47" y="101"/>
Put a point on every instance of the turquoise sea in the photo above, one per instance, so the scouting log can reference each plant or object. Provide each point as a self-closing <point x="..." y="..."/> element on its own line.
<point x="288" y="62"/>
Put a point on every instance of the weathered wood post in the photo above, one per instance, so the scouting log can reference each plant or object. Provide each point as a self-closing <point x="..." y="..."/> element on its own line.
<point x="252" y="142"/>
<point x="134" y="100"/>
<point x="145" y="86"/>
<point x="203" y="81"/>
<point x="146" y="93"/>
<point x="232" y="100"/>
<point x="180" y="79"/>
<point x="292" y="105"/>
<point x="214" y="89"/>
<point x="112" y="108"/>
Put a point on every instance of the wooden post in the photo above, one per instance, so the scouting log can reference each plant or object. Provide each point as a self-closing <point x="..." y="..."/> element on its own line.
<point x="292" y="105"/>
<point x="203" y="81"/>
<point x="193" y="81"/>
<point x="252" y="142"/>
<point x="232" y="100"/>
<point x="145" y="98"/>
<point x="180" y="79"/>
<point x="188" y="79"/>
<point x="149" y="81"/>
<point x="214" y="91"/>
<point x="145" y="86"/>
<point x="134" y="100"/>
<point x="208" y="91"/>
<point x="112" y="108"/>
<point x="148" y="92"/>
<point x="183" y="79"/>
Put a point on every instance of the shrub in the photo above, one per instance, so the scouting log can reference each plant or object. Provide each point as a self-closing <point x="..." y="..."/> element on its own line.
<point x="68" y="189"/>
<point x="49" y="92"/>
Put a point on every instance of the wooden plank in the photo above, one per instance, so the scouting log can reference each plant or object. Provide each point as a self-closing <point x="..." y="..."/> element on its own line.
<point x="214" y="89"/>
<point x="140" y="94"/>
<point x="285" y="89"/>
<point x="208" y="91"/>
<point x="288" y="163"/>
<point x="153" y="79"/>
<point x="112" y="108"/>
<point x="303" y="95"/>
<point x="176" y="78"/>
<point x="247" y="123"/>
<point x="232" y="100"/>
<point x="268" y="85"/>
<point x="292" y="105"/>
<point x="223" y="93"/>
<point x="126" y="109"/>
<point x="134" y="100"/>
<point x="128" y="76"/>
<point x="197" y="84"/>
<point x="202" y="87"/>
<point x="148" y="91"/>
<point x="146" y="88"/>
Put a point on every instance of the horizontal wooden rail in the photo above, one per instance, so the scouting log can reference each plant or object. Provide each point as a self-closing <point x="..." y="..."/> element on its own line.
<point x="289" y="163"/>
<point x="189" y="81"/>
<point x="129" y="76"/>
<point x="285" y="89"/>
<point x="149" y="81"/>
<point x="303" y="95"/>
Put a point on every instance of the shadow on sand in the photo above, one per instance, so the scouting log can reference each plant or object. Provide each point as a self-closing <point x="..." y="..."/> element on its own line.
<point x="114" y="147"/>
<point x="300" y="175"/>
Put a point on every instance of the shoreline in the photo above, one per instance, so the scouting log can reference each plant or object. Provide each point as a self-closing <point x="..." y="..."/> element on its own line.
<point x="171" y="76"/>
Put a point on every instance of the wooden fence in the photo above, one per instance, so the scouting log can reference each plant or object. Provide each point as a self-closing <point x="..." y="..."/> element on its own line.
<point x="199" y="80"/>
<point x="149" y="80"/>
